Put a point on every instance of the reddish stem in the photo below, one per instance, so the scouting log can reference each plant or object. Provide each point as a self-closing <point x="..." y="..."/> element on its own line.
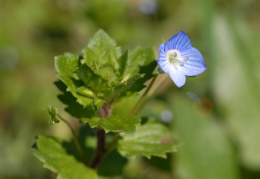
<point x="101" y="142"/>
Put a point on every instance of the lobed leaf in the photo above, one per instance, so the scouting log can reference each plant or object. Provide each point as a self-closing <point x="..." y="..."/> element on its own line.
<point x="50" y="151"/>
<point x="149" y="139"/>
<point x="102" y="73"/>
<point x="125" y="124"/>
<point x="67" y="66"/>
<point x="73" y="107"/>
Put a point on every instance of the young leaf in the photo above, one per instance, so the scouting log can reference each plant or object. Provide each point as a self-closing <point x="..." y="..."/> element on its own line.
<point x="95" y="82"/>
<point x="67" y="66"/>
<point x="102" y="73"/>
<point x="53" y="111"/>
<point x="139" y="61"/>
<point x="102" y="54"/>
<point x="137" y="58"/>
<point x="149" y="139"/>
<point x="101" y="42"/>
<point x="50" y="151"/>
<point x="125" y="124"/>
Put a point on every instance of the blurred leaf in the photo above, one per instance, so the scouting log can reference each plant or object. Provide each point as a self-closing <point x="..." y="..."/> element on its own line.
<point x="125" y="124"/>
<point x="149" y="139"/>
<point x="53" y="111"/>
<point x="113" y="12"/>
<point x="109" y="169"/>
<point x="50" y="151"/>
<point x="238" y="98"/>
<point x="128" y="101"/>
<point x="164" y="164"/>
<point x="205" y="145"/>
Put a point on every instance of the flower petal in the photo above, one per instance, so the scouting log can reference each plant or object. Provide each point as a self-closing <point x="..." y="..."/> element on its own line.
<point x="195" y="65"/>
<point x="180" y="41"/>
<point x="177" y="76"/>
<point x="162" y="61"/>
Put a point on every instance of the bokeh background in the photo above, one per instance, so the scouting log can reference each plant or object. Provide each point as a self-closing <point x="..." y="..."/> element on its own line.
<point x="216" y="115"/>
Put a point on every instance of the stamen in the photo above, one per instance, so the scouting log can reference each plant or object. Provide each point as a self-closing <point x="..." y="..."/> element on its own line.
<point x="181" y="63"/>
<point x="186" y="59"/>
<point x="174" y="55"/>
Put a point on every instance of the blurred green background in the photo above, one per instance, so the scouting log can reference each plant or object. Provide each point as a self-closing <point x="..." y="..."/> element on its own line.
<point x="216" y="115"/>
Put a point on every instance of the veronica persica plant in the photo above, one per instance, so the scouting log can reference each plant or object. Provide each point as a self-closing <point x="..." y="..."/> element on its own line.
<point x="93" y="84"/>
<point x="179" y="59"/>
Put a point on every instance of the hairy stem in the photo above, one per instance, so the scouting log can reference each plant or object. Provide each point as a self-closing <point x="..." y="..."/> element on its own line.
<point x="74" y="138"/>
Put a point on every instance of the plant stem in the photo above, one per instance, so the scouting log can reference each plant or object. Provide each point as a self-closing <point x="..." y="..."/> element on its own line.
<point x="101" y="142"/>
<point x="74" y="138"/>
<point x="156" y="87"/>
<point x="101" y="150"/>
<point x="144" y="94"/>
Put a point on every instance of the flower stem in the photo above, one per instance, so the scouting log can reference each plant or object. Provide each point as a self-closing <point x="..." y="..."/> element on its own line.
<point x="154" y="90"/>
<point x="74" y="138"/>
<point x="144" y="95"/>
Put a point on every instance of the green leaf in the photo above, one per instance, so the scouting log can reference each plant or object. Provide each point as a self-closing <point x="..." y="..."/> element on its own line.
<point x="137" y="61"/>
<point x="53" y="111"/>
<point x="149" y="139"/>
<point x="101" y="42"/>
<point x="50" y="151"/>
<point x="67" y="66"/>
<point x="101" y="56"/>
<point x="73" y="107"/>
<point x="125" y="124"/>
<point x="102" y="73"/>
<point x="92" y="80"/>
<point x="137" y="58"/>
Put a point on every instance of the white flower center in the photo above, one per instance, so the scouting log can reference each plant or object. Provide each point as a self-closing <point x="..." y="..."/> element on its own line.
<point x="175" y="58"/>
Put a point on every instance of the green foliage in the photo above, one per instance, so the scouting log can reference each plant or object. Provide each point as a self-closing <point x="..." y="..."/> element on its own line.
<point x="51" y="152"/>
<point x="72" y="106"/>
<point x="108" y="169"/>
<point x="149" y="139"/>
<point x="125" y="124"/>
<point x="102" y="72"/>
<point x="66" y="67"/>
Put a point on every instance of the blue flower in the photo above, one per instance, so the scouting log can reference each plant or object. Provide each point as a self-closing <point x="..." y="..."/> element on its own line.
<point x="179" y="59"/>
